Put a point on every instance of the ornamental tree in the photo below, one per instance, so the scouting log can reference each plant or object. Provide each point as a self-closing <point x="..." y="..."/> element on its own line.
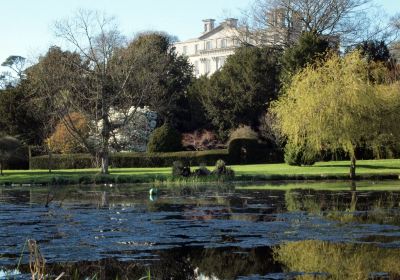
<point x="340" y="104"/>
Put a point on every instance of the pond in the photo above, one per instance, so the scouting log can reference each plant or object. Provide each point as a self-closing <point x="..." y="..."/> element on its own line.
<point x="275" y="231"/>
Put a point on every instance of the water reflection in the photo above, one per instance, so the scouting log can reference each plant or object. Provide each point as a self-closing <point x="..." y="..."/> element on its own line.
<point x="217" y="232"/>
<point x="339" y="260"/>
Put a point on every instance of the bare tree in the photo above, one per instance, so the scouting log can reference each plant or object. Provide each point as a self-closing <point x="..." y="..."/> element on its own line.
<point x="99" y="78"/>
<point x="280" y="22"/>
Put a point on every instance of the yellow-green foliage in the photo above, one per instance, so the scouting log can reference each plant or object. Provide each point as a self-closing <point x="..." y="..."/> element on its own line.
<point x="340" y="261"/>
<point x="340" y="104"/>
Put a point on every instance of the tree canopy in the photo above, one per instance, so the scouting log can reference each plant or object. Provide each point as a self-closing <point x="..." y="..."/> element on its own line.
<point x="309" y="48"/>
<point x="105" y="75"/>
<point x="242" y="89"/>
<point x="282" y="21"/>
<point x="341" y="104"/>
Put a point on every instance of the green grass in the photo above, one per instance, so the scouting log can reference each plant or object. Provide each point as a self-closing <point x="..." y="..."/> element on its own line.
<point x="367" y="169"/>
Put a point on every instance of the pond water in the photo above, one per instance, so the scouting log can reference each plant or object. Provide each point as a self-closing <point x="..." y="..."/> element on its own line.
<point x="206" y="232"/>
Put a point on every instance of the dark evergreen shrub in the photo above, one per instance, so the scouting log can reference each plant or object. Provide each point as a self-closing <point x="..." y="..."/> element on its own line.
<point x="246" y="151"/>
<point x="19" y="159"/>
<point x="180" y="170"/>
<point x="202" y="171"/>
<point x="165" y="139"/>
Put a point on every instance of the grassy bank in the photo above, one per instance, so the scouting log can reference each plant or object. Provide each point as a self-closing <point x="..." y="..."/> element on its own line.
<point x="367" y="169"/>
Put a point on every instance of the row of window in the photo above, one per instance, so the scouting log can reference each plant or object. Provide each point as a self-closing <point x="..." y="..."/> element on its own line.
<point x="208" y="45"/>
<point x="219" y="62"/>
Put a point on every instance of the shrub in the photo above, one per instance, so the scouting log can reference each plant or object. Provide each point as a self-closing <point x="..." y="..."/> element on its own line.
<point x="18" y="160"/>
<point x="294" y="155"/>
<point x="12" y="153"/>
<point x="179" y="169"/>
<point x="243" y="132"/>
<point x="200" y="140"/>
<point x="244" y="151"/>
<point x="202" y="171"/>
<point x="164" y="139"/>
<point x="221" y="169"/>
<point x="61" y="141"/>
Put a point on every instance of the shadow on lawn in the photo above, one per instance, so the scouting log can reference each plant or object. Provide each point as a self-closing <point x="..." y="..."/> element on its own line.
<point x="358" y="166"/>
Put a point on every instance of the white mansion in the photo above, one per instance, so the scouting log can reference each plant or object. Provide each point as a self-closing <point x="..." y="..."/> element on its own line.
<point x="208" y="52"/>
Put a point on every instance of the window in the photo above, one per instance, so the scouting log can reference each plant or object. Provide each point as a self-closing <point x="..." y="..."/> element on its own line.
<point x="185" y="50"/>
<point x="208" y="45"/>
<point x="207" y="66"/>
<point x="196" y="68"/>
<point x="196" y="48"/>
<point x="223" y="43"/>
<point x="221" y="61"/>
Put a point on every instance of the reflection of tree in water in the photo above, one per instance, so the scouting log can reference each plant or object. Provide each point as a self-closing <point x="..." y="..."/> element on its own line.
<point x="228" y="263"/>
<point x="350" y="206"/>
<point x="178" y="263"/>
<point x="339" y="260"/>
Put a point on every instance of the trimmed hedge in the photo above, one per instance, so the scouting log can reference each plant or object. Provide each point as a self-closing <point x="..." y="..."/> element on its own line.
<point x="64" y="161"/>
<point x="124" y="160"/>
<point x="19" y="160"/>
<point x="250" y="151"/>
<point x="191" y="158"/>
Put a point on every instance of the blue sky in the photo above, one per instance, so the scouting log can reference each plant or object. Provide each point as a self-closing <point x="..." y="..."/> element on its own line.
<point x="26" y="25"/>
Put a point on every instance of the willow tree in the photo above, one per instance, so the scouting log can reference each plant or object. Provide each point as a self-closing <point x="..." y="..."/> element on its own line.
<point x="340" y="105"/>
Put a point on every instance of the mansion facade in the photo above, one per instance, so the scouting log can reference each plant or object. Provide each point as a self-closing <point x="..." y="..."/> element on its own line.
<point x="208" y="52"/>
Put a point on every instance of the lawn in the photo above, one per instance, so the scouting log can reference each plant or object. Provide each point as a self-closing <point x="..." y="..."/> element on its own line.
<point x="323" y="170"/>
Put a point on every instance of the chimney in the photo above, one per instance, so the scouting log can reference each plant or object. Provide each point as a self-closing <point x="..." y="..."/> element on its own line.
<point x="231" y="22"/>
<point x="208" y="25"/>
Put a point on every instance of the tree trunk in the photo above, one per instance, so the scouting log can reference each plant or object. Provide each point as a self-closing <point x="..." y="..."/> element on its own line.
<point x="50" y="161"/>
<point x="30" y="156"/>
<point x="104" y="162"/>
<point x="353" y="168"/>
<point x="105" y="134"/>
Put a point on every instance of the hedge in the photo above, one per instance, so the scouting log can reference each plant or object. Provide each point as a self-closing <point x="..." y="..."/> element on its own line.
<point x="124" y="160"/>
<point x="19" y="159"/>
<point x="250" y="151"/>
<point x="63" y="161"/>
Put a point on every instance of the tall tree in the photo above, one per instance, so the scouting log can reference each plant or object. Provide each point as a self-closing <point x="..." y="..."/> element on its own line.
<point x="17" y="65"/>
<point x="103" y="77"/>
<point x="373" y="50"/>
<point x="282" y="21"/>
<point x="309" y="48"/>
<point x="241" y="91"/>
<point x="17" y="115"/>
<point x="337" y="106"/>
<point x="173" y="74"/>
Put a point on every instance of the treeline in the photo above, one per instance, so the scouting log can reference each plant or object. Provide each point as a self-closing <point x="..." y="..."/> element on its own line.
<point x="84" y="100"/>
